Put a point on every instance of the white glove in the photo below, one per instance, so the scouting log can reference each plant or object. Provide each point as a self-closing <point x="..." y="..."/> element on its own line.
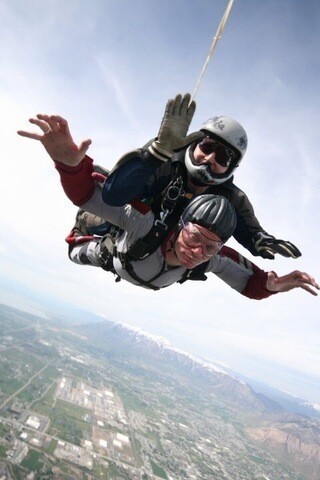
<point x="174" y="127"/>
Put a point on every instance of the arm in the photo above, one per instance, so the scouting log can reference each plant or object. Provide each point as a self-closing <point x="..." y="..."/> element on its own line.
<point x="173" y="130"/>
<point x="74" y="166"/>
<point x="57" y="139"/>
<point x="71" y="159"/>
<point x="252" y="236"/>
<point x="77" y="175"/>
<point x="128" y="180"/>
<point x="252" y="282"/>
<point x="129" y="177"/>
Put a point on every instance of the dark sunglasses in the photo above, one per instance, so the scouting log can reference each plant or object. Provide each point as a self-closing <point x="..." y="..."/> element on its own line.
<point x="224" y="155"/>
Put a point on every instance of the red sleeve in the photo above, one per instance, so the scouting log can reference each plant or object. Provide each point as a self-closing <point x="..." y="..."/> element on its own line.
<point x="256" y="286"/>
<point x="77" y="182"/>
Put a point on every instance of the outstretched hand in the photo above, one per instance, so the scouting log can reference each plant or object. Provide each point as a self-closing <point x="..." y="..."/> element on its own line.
<point x="57" y="139"/>
<point x="267" y="246"/>
<point x="176" y="121"/>
<point x="173" y="130"/>
<point x="293" y="280"/>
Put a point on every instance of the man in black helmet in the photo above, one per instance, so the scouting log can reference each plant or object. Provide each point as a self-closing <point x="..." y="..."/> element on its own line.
<point x="205" y="225"/>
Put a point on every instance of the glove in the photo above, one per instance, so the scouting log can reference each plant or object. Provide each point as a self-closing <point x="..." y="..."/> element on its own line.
<point x="174" y="127"/>
<point x="267" y="246"/>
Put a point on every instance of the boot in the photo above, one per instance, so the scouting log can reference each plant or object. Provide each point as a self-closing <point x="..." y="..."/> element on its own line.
<point x="86" y="226"/>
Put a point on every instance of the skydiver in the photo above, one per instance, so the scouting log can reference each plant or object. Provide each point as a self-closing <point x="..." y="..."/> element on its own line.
<point x="205" y="225"/>
<point x="206" y="160"/>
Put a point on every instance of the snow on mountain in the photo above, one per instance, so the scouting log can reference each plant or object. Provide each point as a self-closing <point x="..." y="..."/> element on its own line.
<point x="132" y="345"/>
<point x="163" y="344"/>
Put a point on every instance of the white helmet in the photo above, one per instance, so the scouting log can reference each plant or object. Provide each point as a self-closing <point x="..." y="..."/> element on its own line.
<point x="226" y="131"/>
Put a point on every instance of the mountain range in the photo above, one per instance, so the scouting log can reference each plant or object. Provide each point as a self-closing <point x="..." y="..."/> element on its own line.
<point x="292" y="437"/>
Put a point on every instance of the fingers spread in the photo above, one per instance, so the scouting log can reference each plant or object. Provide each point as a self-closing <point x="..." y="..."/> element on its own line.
<point x="54" y="125"/>
<point x="176" y="105"/>
<point x="41" y="124"/>
<point x="34" y="136"/>
<point x="303" y="280"/>
<point x="184" y="104"/>
<point x="84" y="146"/>
<point x="295" y="279"/>
<point x="295" y="252"/>
<point x="191" y="110"/>
<point x="169" y="108"/>
<point x="62" y="122"/>
<point x="59" y="119"/>
<point x="308" y="289"/>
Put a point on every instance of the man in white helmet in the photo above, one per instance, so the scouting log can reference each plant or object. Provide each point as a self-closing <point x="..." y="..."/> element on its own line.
<point x="205" y="160"/>
<point x="197" y="239"/>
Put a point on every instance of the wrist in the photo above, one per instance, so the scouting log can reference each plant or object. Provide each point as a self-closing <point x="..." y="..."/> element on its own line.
<point x="77" y="181"/>
<point x="270" y="284"/>
<point x="63" y="167"/>
<point x="159" y="152"/>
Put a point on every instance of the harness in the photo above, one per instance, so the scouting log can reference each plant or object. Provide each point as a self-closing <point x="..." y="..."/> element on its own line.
<point x="167" y="214"/>
<point x="197" y="273"/>
<point x="167" y="208"/>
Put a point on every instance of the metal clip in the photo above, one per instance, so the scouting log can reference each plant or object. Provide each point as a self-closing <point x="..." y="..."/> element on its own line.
<point x="161" y="222"/>
<point x="172" y="194"/>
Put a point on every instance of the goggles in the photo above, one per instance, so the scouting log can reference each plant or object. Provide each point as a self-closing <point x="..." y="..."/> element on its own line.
<point x="193" y="238"/>
<point x="223" y="155"/>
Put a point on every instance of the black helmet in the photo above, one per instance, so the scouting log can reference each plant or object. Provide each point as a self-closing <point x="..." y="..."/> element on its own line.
<point x="213" y="212"/>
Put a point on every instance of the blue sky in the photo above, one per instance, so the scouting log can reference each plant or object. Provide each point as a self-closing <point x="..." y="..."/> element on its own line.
<point x="109" y="67"/>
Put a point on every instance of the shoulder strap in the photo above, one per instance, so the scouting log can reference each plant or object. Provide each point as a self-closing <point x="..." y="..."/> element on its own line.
<point x="170" y="207"/>
<point x="145" y="283"/>
<point x="197" y="273"/>
<point x="167" y="215"/>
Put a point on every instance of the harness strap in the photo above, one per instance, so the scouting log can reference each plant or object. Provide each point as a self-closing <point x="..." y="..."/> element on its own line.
<point x="173" y="202"/>
<point x="146" y="283"/>
<point x="108" y="252"/>
<point x="197" y="273"/>
<point x="167" y="215"/>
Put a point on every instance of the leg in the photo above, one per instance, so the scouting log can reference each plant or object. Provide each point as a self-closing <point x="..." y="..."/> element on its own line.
<point x="86" y="226"/>
<point x="83" y="246"/>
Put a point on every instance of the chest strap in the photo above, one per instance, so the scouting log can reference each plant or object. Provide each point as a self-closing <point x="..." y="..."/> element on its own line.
<point x="146" y="283"/>
<point x="167" y="216"/>
<point x="197" y="273"/>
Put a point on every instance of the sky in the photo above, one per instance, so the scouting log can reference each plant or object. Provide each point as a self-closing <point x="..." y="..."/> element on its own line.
<point x="109" y="67"/>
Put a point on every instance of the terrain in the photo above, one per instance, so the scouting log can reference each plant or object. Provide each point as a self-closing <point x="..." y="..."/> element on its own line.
<point x="104" y="400"/>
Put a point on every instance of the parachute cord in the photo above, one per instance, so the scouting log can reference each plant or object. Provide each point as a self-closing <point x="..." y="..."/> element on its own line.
<point x="212" y="46"/>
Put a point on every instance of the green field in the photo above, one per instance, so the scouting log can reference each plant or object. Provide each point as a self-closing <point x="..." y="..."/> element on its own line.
<point x="33" y="461"/>
<point x="67" y="422"/>
<point x="45" y="405"/>
<point x="158" y="471"/>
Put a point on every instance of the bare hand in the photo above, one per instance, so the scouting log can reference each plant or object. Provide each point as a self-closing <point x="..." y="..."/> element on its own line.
<point x="57" y="139"/>
<point x="293" y="280"/>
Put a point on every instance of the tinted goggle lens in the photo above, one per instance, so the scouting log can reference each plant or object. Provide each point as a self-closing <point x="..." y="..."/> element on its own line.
<point x="193" y="238"/>
<point x="223" y="155"/>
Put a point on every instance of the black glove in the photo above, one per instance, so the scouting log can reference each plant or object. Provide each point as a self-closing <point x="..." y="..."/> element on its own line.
<point x="172" y="135"/>
<point x="267" y="246"/>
